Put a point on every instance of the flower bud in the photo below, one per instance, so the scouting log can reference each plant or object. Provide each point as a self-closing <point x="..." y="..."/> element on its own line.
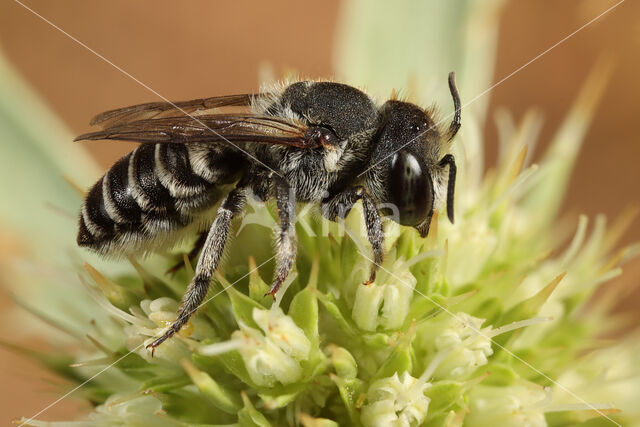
<point x="396" y="401"/>
<point x="468" y="345"/>
<point x="385" y="304"/>
<point x="273" y="353"/>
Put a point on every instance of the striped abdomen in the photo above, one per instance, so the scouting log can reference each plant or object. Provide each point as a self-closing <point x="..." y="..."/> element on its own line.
<point x="152" y="194"/>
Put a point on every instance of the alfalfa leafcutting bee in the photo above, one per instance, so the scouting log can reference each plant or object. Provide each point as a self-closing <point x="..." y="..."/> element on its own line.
<point x="319" y="142"/>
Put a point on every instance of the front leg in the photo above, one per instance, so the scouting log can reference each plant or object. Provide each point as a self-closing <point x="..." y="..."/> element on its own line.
<point x="286" y="239"/>
<point x="207" y="264"/>
<point x="338" y="207"/>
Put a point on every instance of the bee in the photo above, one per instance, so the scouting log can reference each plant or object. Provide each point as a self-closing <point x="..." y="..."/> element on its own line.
<point x="317" y="142"/>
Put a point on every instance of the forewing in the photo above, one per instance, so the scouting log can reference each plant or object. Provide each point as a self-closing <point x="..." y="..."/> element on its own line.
<point x="211" y="128"/>
<point x="155" y="110"/>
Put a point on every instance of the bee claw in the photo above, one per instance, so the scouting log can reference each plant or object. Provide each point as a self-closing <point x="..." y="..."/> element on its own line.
<point x="152" y="347"/>
<point x="272" y="293"/>
<point x="371" y="279"/>
<point x="156" y="343"/>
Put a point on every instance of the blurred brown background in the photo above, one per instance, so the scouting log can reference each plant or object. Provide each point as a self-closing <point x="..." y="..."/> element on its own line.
<point x="205" y="48"/>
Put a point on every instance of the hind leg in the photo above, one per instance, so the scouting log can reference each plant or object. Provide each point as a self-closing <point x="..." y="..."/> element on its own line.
<point x="207" y="264"/>
<point x="286" y="239"/>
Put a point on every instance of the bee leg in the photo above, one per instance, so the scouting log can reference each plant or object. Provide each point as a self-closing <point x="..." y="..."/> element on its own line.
<point x="193" y="253"/>
<point x="285" y="203"/>
<point x="339" y="206"/>
<point x="207" y="264"/>
<point x="450" y="161"/>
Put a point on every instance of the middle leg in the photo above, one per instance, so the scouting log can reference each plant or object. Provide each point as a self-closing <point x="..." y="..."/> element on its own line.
<point x="338" y="207"/>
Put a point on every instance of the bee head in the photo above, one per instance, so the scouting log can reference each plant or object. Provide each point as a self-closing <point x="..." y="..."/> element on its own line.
<point x="406" y="174"/>
<point x="406" y="150"/>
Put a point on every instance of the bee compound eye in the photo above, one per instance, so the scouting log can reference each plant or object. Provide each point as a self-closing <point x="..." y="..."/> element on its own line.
<point x="410" y="189"/>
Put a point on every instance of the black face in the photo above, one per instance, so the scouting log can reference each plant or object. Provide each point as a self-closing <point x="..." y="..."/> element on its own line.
<point x="404" y="144"/>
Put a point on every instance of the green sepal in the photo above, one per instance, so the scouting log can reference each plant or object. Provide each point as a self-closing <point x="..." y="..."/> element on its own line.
<point x="243" y="307"/>
<point x="190" y="407"/>
<point x="233" y="363"/>
<point x="153" y="286"/>
<point x="248" y="416"/>
<point x="424" y="308"/>
<point x="280" y="399"/>
<point x="258" y="287"/>
<point x="343" y="362"/>
<point x="400" y="359"/>
<point x="163" y="383"/>
<point x="329" y="303"/>
<point x="350" y="391"/>
<point x="530" y="307"/>
<point x="309" y="421"/>
<point x="304" y="312"/>
<point x="220" y="396"/>
<point x="443" y="395"/>
<point x="500" y="375"/>
<point x="376" y="341"/>
<point x="490" y="309"/>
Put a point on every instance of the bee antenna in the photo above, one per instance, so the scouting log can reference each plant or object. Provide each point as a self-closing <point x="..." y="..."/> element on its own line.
<point x="455" y="123"/>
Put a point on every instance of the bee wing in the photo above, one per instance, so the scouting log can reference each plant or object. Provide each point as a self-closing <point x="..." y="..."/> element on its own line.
<point x="211" y="128"/>
<point x="154" y="110"/>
